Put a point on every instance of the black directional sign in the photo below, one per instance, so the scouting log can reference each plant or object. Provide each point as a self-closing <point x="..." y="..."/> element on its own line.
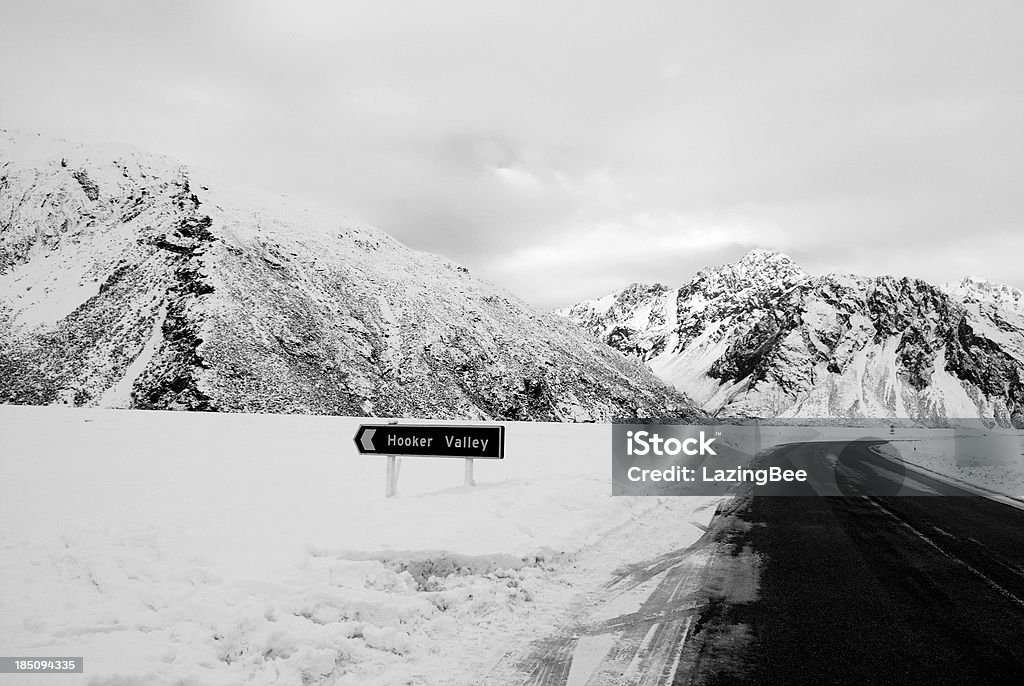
<point x="432" y="440"/>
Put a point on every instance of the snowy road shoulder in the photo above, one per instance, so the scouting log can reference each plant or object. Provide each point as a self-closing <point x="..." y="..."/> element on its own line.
<point x="1001" y="483"/>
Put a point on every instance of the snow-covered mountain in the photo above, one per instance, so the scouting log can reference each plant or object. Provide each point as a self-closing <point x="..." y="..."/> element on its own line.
<point x="129" y="280"/>
<point x="763" y="338"/>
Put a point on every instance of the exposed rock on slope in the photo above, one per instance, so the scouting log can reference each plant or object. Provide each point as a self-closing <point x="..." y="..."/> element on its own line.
<point x="127" y="281"/>
<point x="763" y="338"/>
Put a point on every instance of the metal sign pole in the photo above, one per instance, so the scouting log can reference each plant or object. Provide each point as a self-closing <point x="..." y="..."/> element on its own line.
<point x="391" y="488"/>
<point x="469" y="472"/>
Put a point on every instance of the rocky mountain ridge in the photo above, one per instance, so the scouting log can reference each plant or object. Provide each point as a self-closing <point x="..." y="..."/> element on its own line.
<point x="129" y="280"/>
<point x="763" y="338"/>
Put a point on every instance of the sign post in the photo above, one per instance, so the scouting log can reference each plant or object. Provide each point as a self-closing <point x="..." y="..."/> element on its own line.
<point x="394" y="465"/>
<point x="391" y="488"/>
<point x="430" y="440"/>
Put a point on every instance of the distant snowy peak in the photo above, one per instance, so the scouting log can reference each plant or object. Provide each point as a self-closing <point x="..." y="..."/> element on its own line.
<point x="131" y="280"/>
<point x="760" y="270"/>
<point x="973" y="289"/>
<point x="760" y="337"/>
<point x="630" y="303"/>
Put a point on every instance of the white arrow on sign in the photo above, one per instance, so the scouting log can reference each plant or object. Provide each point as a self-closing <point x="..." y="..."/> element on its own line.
<point x="367" y="439"/>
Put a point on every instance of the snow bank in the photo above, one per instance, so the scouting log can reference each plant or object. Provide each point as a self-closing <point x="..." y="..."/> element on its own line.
<point x="991" y="462"/>
<point x="224" y="549"/>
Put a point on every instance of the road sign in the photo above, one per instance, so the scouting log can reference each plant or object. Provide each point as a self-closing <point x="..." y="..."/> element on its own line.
<point x="432" y="440"/>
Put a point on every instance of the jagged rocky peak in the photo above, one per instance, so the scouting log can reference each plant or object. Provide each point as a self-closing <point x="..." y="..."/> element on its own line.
<point x="974" y="289"/>
<point x="757" y="273"/>
<point x="54" y="192"/>
<point x="131" y="280"/>
<point x="636" y="292"/>
<point x="627" y="299"/>
<point x="763" y="260"/>
<point x="761" y="337"/>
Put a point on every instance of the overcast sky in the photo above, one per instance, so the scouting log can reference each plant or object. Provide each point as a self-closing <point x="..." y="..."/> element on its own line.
<point x="565" y="149"/>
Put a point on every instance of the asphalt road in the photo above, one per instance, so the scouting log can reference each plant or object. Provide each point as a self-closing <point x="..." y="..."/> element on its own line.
<point x="862" y="587"/>
<point x="866" y="589"/>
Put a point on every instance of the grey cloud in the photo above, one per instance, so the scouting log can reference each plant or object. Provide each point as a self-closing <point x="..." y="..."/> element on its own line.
<point x="863" y="134"/>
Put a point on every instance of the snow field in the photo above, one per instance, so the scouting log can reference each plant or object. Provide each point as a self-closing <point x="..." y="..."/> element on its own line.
<point x="181" y="548"/>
